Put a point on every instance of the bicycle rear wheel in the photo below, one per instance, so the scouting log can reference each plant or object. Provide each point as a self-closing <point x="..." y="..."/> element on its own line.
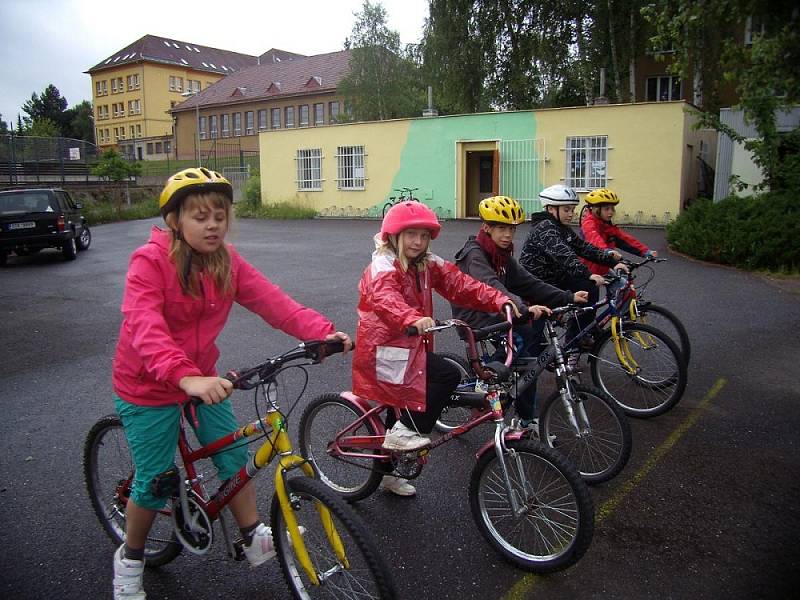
<point x="108" y="470"/>
<point x="323" y="418"/>
<point x="362" y="575"/>
<point x="646" y="375"/>
<point x="601" y="446"/>
<point x="557" y="524"/>
<point x="666" y="321"/>
<point x="454" y="416"/>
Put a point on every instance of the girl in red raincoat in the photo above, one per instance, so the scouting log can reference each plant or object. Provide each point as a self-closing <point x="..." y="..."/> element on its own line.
<point x="395" y="293"/>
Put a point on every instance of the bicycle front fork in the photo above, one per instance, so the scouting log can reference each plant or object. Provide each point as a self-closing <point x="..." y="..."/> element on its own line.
<point x="516" y="501"/>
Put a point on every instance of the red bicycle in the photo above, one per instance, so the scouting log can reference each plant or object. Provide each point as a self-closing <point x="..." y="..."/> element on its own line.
<point x="528" y="501"/>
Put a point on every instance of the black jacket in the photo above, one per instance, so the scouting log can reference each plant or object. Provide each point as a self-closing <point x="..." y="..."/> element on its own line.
<point x="519" y="285"/>
<point x="552" y="249"/>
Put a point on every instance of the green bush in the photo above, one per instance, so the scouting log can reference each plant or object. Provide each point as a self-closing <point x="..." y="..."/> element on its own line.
<point x="758" y="232"/>
<point x="252" y="191"/>
<point x="279" y="210"/>
<point x="106" y="212"/>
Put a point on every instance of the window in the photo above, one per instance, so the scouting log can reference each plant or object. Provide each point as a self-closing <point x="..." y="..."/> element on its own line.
<point x="101" y="88"/>
<point x="304" y="115"/>
<point x="288" y="116"/>
<point x="108" y="135"/>
<point x="319" y="113"/>
<point x="134" y="107"/>
<point x="119" y="109"/>
<point x="138" y="130"/>
<point x="193" y="85"/>
<point x="158" y="148"/>
<point x="149" y="147"/>
<point x="133" y="82"/>
<point x="132" y="132"/>
<point x="664" y="88"/>
<point x="276" y="118"/>
<point x="175" y="84"/>
<point x="202" y="126"/>
<point x="333" y="111"/>
<point x="249" y="125"/>
<point x="350" y="167"/>
<point x="114" y="85"/>
<point x="212" y="126"/>
<point x="237" y="123"/>
<point x="167" y="146"/>
<point x="121" y="134"/>
<point x="226" y="125"/>
<point x="262" y="119"/>
<point x="309" y="169"/>
<point x="752" y="28"/>
<point x="587" y="161"/>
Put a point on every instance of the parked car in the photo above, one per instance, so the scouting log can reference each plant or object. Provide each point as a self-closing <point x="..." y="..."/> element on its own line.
<point x="33" y="219"/>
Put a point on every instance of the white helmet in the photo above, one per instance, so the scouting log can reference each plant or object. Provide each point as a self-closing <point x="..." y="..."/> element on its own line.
<point x="558" y="195"/>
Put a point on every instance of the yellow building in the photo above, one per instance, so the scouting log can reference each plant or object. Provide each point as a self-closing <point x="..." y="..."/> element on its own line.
<point x="135" y="88"/>
<point x="646" y="152"/>
<point x="277" y="94"/>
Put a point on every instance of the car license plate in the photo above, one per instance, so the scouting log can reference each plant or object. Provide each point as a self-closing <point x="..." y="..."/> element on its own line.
<point x="25" y="225"/>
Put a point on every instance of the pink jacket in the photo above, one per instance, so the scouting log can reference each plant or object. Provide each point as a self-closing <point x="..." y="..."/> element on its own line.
<point x="167" y="335"/>
<point x="388" y="365"/>
<point x="607" y="235"/>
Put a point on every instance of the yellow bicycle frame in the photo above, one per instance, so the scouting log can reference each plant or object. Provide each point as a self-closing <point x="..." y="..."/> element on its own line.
<point x="278" y="444"/>
<point x="621" y="348"/>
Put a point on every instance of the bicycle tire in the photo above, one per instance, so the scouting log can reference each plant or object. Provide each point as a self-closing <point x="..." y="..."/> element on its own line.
<point x="557" y="527"/>
<point x="365" y="576"/>
<point x="108" y="471"/>
<point x="659" y="380"/>
<point x="454" y="416"/>
<point x="352" y="478"/>
<point x="665" y="320"/>
<point x="602" y="447"/>
<point x="386" y="207"/>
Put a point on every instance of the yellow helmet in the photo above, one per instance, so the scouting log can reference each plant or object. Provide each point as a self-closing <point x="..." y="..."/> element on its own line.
<point x="501" y="209"/>
<point x="601" y="196"/>
<point x="191" y="181"/>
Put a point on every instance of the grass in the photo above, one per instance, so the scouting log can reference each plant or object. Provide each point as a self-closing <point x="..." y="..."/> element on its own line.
<point x="98" y="213"/>
<point x="278" y="210"/>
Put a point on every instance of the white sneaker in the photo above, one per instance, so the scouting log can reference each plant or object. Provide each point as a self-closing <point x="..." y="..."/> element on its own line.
<point x="128" y="575"/>
<point x="400" y="437"/>
<point x="261" y="548"/>
<point x="397" y="485"/>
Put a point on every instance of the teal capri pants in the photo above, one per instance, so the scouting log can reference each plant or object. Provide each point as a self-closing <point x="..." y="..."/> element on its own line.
<point x="152" y="433"/>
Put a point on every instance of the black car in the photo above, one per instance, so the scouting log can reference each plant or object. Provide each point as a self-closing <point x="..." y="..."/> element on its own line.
<point x="33" y="219"/>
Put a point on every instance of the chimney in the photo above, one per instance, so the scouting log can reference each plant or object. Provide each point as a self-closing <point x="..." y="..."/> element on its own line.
<point x="430" y="111"/>
<point x="601" y="99"/>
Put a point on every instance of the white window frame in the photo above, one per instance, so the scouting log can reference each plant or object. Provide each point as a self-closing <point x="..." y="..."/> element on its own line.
<point x="236" y="119"/>
<point x="263" y="123"/>
<point x="309" y="170"/>
<point x="304" y="123"/>
<point x="225" y="125"/>
<point x="249" y="122"/>
<point x="586" y="162"/>
<point x="272" y="123"/>
<point x="670" y="81"/>
<point x="202" y="125"/>
<point x="213" y="122"/>
<point x="750" y="31"/>
<point x="351" y="168"/>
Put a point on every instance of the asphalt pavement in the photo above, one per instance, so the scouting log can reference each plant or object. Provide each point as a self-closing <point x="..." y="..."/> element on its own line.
<point x="706" y="508"/>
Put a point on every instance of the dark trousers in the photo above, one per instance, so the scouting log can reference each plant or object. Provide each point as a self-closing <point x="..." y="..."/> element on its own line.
<point x="443" y="378"/>
<point x="579" y="284"/>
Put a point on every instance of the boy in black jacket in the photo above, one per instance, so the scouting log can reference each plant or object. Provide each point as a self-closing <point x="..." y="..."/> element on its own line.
<point x="488" y="257"/>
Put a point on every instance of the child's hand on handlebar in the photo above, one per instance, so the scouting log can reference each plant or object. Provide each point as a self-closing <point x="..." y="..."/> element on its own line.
<point x="516" y="312"/>
<point x="341" y="336"/>
<point x="598" y="279"/>
<point x="211" y="390"/>
<point x="580" y="297"/>
<point x="424" y="324"/>
<point x="537" y="312"/>
<point x="621" y="266"/>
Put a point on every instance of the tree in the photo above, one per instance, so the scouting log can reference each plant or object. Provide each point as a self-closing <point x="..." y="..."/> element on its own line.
<point x="114" y="167"/>
<point x="383" y="81"/>
<point x="765" y="73"/>
<point x="42" y="128"/>
<point x="3" y="125"/>
<point x="50" y="105"/>
<point x="78" y="122"/>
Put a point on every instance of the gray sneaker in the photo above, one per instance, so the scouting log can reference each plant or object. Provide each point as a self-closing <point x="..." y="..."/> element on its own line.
<point x="128" y="577"/>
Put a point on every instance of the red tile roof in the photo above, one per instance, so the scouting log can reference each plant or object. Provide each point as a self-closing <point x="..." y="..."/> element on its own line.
<point x="164" y="50"/>
<point x="295" y="77"/>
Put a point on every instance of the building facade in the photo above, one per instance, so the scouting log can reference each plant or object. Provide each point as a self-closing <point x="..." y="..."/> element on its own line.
<point x="646" y="152"/>
<point x="134" y="89"/>
<point x="274" y="95"/>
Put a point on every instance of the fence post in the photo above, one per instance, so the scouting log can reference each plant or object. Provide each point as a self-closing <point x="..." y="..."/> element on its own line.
<point x="60" y="145"/>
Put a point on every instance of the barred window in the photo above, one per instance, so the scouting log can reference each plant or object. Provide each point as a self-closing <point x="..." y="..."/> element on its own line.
<point x="309" y="169"/>
<point x="587" y="162"/>
<point x="350" y="167"/>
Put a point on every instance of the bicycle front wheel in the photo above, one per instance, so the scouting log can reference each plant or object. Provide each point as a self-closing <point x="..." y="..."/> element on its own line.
<point x="556" y="524"/>
<point x="360" y="574"/>
<point x="108" y="469"/>
<point x="596" y="436"/>
<point x="323" y="418"/>
<point x="645" y="372"/>
<point x="454" y="416"/>
<point x="666" y="321"/>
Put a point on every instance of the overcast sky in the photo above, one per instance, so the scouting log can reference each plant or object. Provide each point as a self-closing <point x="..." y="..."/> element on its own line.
<point x="55" y="41"/>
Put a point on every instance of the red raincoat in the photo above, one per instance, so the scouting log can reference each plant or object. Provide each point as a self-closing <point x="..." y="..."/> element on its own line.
<point x="388" y="365"/>
<point x="607" y="235"/>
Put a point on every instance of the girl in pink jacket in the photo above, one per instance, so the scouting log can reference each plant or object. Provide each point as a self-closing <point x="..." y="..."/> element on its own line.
<point x="179" y="290"/>
<point x="396" y="292"/>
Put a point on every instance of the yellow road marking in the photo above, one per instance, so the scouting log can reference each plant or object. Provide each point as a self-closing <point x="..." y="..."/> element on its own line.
<point x="523" y="587"/>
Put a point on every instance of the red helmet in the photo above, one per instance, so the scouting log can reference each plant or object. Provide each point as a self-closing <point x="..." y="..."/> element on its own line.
<point x="407" y="215"/>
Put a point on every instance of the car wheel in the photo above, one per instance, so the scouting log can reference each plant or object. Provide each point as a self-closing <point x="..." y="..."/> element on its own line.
<point x="84" y="239"/>
<point x="70" y="249"/>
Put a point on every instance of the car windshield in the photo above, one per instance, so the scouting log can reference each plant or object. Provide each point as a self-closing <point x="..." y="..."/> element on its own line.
<point x="17" y="203"/>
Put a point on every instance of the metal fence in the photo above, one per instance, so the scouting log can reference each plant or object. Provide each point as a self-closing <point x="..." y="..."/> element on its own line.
<point x="33" y="159"/>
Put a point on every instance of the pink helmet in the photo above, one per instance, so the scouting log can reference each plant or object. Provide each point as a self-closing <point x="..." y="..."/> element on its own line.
<point x="407" y="215"/>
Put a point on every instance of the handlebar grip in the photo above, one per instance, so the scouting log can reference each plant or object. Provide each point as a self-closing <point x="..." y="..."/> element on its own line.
<point x="489" y="330"/>
<point x="411" y="331"/>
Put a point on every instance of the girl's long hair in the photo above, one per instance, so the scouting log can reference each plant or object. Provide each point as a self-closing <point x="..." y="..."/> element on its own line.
<point x="217" y="264"/>
<point x="394" y="245"/>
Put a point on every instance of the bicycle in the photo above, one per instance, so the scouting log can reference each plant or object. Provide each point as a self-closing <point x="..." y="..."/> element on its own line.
<point x="583" y="422"/>
<point x="324" y="548"/>
<point x="405" y="194"/>
<point x="527" y="500"/>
